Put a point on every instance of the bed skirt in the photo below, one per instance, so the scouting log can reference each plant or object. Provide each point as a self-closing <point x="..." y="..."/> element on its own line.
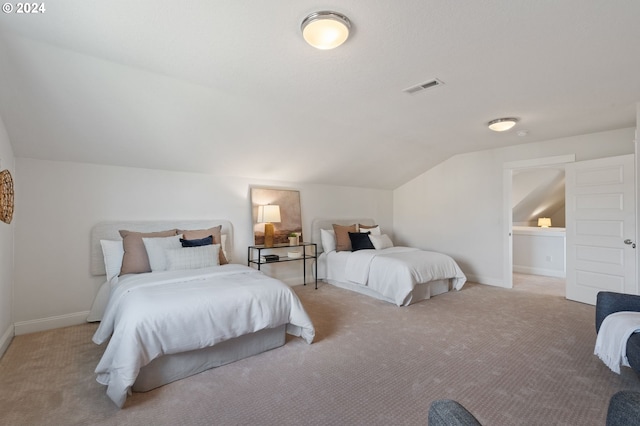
<point x="170" y="368"/>
<point x="421" y="291"/>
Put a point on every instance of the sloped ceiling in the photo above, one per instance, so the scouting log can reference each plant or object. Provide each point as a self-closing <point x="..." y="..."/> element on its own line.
<point x="230" y="87"/>
<point x="537" y="193"/>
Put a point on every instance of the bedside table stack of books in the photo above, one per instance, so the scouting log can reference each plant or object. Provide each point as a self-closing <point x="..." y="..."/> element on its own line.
<point x="269" y="258"/>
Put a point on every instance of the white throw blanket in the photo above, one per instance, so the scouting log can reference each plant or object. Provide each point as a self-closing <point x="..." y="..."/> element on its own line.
<point x="611" y="343"/>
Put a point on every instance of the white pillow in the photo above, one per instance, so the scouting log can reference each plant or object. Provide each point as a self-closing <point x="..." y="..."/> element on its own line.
<point x="113" y="252"/>
<point x="328" y="239"/>
<point x="372" y="231"/>
<point x="193" y="257"/>
<point x="156" y="250"/>
<point x="381" y="241"/>
<point x="223" y="240"/>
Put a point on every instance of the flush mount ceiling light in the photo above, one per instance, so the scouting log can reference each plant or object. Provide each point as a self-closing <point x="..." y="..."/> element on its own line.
<point x="325" y="30"/>
<point x="502" y="124"/>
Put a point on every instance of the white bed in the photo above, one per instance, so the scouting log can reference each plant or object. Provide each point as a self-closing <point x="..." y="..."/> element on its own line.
<point x="399" y="275"/>
<point x="166" y="325"/>
<point x="110" y="231"/>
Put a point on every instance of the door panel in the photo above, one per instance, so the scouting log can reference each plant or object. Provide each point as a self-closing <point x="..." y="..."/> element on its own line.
<point x="600" y="216"/>
<point x="600" y="202"/>
<point x="607" y="256"/>
<point x="600" y="176"/>
<point x="600" y="282"/>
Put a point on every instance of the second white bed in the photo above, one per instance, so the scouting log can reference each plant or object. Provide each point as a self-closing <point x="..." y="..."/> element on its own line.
<point x="399" y="275"/>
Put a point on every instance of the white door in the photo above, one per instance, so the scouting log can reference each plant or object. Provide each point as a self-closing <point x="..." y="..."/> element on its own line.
<point x="601" y="227"/>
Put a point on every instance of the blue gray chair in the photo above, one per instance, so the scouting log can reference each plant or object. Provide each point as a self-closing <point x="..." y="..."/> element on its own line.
<point x="446" y="412"/>
<point x="608" y="302"/>
<point x="624" y="410"/>
<point x="624" y="406"/>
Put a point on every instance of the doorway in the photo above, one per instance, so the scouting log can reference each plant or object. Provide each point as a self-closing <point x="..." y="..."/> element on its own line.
<point x="538" y="219"/>
<point x="509" y="170"/>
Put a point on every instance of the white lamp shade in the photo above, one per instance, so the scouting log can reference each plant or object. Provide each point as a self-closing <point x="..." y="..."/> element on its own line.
<point x="544" y="222"/>
<point x="269" y="213"/>
<point x="325" y="30"/>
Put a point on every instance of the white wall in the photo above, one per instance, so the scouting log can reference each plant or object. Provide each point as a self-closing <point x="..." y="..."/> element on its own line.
<point x="59" y="202"/>
<point x="559" y="219"/>
<point x="457" y="206"/>
<point x="539" y="251"/>
<point x="6" y="252"/>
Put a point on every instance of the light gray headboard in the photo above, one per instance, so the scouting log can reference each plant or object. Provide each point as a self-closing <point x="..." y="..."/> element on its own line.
<point x="110" y="231"/>
<point x="318" y="224"/>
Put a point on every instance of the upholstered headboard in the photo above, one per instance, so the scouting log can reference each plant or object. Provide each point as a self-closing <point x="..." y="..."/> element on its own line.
<point x="110" y="231"/>
<point x="318" y="224"/>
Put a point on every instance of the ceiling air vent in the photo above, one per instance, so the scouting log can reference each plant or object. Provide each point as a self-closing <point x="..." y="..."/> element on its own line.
<point x="423" y="86"/>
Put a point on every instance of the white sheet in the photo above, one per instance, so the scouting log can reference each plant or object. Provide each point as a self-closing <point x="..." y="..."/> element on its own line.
<point x="332" y="265"/>
<point x="149" y="315"/>
<point x="395" y="271"/>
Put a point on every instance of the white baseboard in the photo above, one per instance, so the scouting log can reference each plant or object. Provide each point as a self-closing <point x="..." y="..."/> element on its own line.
<point x="43" y="324"/>
<point x="6" y="338"/>
<point x="539" y="271"/>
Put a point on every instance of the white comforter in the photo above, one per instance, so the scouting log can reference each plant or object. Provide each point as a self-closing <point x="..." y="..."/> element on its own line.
<point x="395" y="271"/>
<point x="149" y="315"/>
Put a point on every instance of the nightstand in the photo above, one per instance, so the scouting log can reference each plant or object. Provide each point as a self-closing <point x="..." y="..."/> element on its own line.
<point x="261" y="250"/>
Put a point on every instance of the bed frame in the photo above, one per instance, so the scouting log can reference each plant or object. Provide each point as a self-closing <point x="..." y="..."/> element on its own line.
<point x="169" y="368"/>
<point x="421" y="291"/>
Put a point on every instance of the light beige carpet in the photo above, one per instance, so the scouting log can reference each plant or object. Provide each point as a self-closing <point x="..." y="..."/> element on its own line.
<point x="511" y="357"/>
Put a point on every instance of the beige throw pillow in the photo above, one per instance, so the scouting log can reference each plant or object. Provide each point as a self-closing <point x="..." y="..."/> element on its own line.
<point x="343" y="242"/>
<point x="196" y="234"/>
<point x="135" y="259"/>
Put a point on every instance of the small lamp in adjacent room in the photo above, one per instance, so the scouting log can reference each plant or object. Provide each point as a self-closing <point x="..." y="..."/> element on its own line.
<point x="267" y="215"/>
<point x="544" y="222"/>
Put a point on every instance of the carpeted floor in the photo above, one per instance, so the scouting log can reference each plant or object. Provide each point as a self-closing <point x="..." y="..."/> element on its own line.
<point x="512" y="357"/>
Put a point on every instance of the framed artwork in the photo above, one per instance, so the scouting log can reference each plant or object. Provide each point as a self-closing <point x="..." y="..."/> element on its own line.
<point x="6" y="196"/>
<point x="279" y="208"/>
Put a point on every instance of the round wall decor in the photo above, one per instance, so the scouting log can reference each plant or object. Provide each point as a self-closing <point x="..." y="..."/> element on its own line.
<point x="6" y="196"/>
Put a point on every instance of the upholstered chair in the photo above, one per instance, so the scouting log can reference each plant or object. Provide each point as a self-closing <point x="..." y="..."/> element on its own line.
<point x="446" y="412"/>
<point x="608" y="302"/>
<point x="624" y="409"/>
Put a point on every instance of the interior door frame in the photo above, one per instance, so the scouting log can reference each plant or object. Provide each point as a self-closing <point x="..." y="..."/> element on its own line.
<point x="507" y="185"/>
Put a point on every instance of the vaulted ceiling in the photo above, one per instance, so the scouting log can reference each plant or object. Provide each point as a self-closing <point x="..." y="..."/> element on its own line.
<point x="231" y="88"/>
<point x="537" y="192"/>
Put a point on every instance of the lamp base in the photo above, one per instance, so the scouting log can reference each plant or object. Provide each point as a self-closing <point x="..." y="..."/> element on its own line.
<point x="268" y="234"/>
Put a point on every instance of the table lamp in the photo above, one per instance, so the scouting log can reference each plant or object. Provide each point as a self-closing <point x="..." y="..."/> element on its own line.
<point x="267" y="215"/>
<point x="544" y="222"/>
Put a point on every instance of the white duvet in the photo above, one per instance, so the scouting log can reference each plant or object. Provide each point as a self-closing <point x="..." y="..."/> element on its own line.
<point x="395" y="271"/>
<point x="149" y="315"/>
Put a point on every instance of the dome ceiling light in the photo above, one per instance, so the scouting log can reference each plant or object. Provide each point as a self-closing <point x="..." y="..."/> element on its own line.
<point x="325" y="30"/>
<point x="502" y="124"/>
